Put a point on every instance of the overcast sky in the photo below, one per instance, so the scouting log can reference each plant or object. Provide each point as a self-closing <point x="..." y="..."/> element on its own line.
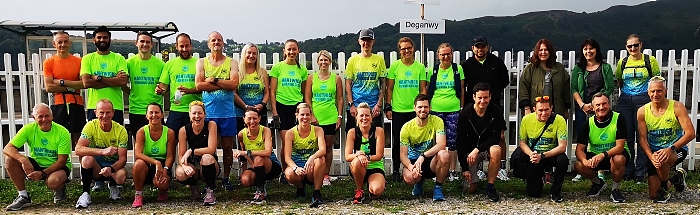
<point x="277" y="20"/>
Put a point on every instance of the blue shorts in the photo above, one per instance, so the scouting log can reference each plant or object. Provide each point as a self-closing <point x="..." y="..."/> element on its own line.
<point x="450" y="120"/>
<point x="226" y="126"/>
<point x="103" y="162"/>
<point x="177" y="120"/>
<point x="299" y="161"/>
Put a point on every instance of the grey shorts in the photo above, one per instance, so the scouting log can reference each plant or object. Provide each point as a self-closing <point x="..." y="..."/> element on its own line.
<point x="473" y="169"/>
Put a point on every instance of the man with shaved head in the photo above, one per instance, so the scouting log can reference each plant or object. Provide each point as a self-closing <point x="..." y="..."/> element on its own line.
<point x="62" y="79"/>
<point x="48" y="159"/>
<point x="217" y="78"/>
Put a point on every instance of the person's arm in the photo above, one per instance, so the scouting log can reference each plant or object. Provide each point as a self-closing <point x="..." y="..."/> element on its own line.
<point x="54" y="85"/>
<point x="524" y="90"/>
<point x="350" y="146"/>
<point x="461" y="97"/>
<point x="321" y="139"/>
<point x="524" y="137"/>
<point x="138" y="149"/>
<point x="122" y="141"/>
<point x="273" y="95"/>
<point x="238" y="101"/>
<point x="182" y="146"/>
<point x="348" y="90"/>
<point x="89" y="82"/>
<point x="404" y="157"/>
<point x="11" y="151"/>
<point x="121" y="162"/>
<point x="211" y="142"/>
<point x="339" y="95"/>
<point x="267" y="137"/>
<point x="462" y="151"/>
<point x="686" y="124"/>
<point x="642" y="133"/>
<point x="621" y="137"/>
<point x="389" y="90"/>
<point x="618" y="73"/>
<point x="494" y="130"/>
<point x="440" y="143"/>
<point x="379" y="151"/>
<point x="170" y="155"/>
<point x="307" y="92"/>
<point x="423" y="87"/>
<point x="266" y="90"/>
<point x="200" y="78"/>
<point x="232" y="83"/>
<point x="381" y="86"/>
<point x="289" y="140"/>
<point x="561" y="138"/>
<point x="575" y="73"/>
<point x="82" y="148"/>
<point x="116" y="81"/>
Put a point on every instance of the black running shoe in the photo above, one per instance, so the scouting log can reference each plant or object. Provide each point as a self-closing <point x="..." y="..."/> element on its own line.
<point x="493" y="195"/>
<point x="556" y="198"/>
<point x="617" y="196"/>
<point x="596" y="189"/>
<point x="662" y="196"/>
<point x="680" y="185"/>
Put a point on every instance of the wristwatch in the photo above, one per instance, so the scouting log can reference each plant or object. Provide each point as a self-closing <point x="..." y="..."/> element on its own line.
<point x="350" y="104"/>
<point x="249" y="153"/>
<point x="62" y="82"/>
<point x="166" y="168"/>
<point x="99" y="78"/>
<point x="673" y="148"/>
<point x="216" y="80"/>
<point x="340" y="116"/>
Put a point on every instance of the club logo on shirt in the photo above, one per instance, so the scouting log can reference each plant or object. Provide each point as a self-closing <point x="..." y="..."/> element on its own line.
<point x="323" y="87"/>
<point x="604" y="137"/>
<point x="113" y="141"/>
<point x="256" y="78"/>
<point x="409" y="73"/>
<point x="374" y="65"/>
<point x="185" y="68"/>
<point x="103" y="65"/>
<point x="144" y="70"/>
<point x="669" y="120"/>
<point x="292" y="73"/>
<point x="155" y="150"/>
<point x="444" y="76"/>
<point x="311" y="141"/>
<point x="44" y="141"/>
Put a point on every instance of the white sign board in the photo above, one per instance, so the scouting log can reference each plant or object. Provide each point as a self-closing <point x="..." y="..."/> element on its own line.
<point x="417" y="26"/>
<point x="432" y="2"/>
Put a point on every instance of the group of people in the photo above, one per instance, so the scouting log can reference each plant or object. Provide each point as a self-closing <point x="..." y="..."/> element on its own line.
<point x="439" y="117"/>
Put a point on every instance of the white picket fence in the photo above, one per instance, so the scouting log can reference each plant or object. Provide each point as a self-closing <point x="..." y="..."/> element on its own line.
<point x="31" y="88"/>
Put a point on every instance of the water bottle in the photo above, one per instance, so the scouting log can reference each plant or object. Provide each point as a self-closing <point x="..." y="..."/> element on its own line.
<point x="178" y="97"/>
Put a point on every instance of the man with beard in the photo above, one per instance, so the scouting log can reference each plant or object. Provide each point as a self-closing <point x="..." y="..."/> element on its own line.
<point x="664" y="132"/>
<point x="423" y="152"/>
<point x="601" y="146"/>
<point x="179" y="73"/>
<point x="217" y="78"/>
<point x="488" y="68"/>
<point x="480" y="124"/>
<point x="144" y="70"/>
<point x="62" y="78"/>
<point x="104" y="74"/>
<point x="48" y="158"/>
<point x="102" y="148"/>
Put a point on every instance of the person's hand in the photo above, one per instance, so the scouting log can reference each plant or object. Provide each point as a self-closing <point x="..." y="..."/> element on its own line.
<point x="106" y="172"/>
<point x="376" y="111"/>
<point x="183" y="159"/>
<point x="527" y="111"/>
<point x="35" y="175"/>
<point x="587" y="108"/>
<point x="209" y="80"/>
<point x="471" y="159"/>
<point x="595" y="160"/>
<point x="535" y="157"/>
<point x="309" y="166"/>
<point x="663" y="154"/>
<point x="159" y="90"/>
<point x="258" y="107"/>
<point x="467" y="176"/>
<point x="122" y="74"/>
<point x="109" y="151"/>
<point x="160" y="173"/>
<point x="337" y="123"/>
<point x="27" y="166"/>
<point x="299" y="171"/>
<point x="189" y="171"/>
<point x="313" y="120"/>
<point x="236" y="153"/>
<point x="183" y="89"/>
<point x="388" y="114"/>
<point x="353" y="111"/>
<point x="364" y="160"/>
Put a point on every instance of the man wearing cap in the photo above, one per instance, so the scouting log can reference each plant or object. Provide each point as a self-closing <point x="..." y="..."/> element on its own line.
<point x="364" y="80"/>
<point x="488" y="68"/>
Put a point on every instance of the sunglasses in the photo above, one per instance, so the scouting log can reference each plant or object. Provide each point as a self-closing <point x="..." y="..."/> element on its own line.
<point x="657" y="78"/>
<point x="636" y="45"/>
<point x="542" y="98"/>
<point x="196" y="103"/>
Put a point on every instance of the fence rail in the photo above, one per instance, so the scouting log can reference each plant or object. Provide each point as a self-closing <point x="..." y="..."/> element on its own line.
<point x="25" y="86"/>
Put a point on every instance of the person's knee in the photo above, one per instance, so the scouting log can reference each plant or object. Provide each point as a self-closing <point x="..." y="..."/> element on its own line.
<point x="579" y="167"/>
<point x="56" y="180"/>
<point x="258" y="161"/>
<point x="120" y="176"/>
<point x="10" y="162"/>
<point x="162" y="185"/>
<point x="443" y="156"/>
<point x="376" y="188"/>
<point x="494" y="151"/>
<point x="618" y="160"/>
<point x="562" y="161"/>
<point x="355" y="163"/>
<point x="321" y="161"/>
<point x="247" y="180"/>
<point x="208" y="159"/>
<point x="139" y="165"/>
<point x="87" y="161"/>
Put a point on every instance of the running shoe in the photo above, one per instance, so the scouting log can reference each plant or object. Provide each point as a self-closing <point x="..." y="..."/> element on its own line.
<point x="453" y="176"/>
<point x="162" y="195"/>
<point x="259" y="198"/>
<point x="617" y="196"/>
<point x="326" y="180"/>
<point x="226" y="184"/>
<point x="359" y="196"/>
<point x="680" y="185"/>
<point x="99" y="185"/>
<point x="196" y="194"/>
<point x="418" y="188"/>
<point x="19" y="203"/>
<point x="114" y="192"/>
<point x="596" y="189"/>
<point x="503" y="175"/>
<point x="138" y="201"/>
<point x="83" y="201"/>
<point x="316" y="200"/>
<point x="481" y="175"/>
<point x="437" y="194"/>
<point x="577" y="178"/>
<point x="662" y="196"/>
<point x="493" y="195"/>
<point x="59" y="195"/>
<point x="209" y="198"/>
<point x="556" y="198"/>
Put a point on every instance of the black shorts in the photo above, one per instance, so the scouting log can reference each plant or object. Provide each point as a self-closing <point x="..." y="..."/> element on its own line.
<point x="275" y="171"/>
<point x="351" y="121"/>
<point x="73" y="121"/>
<point x="328" y="129"/>
<point x="177" y="120"/>
<point x="152" y="172"/>
<point x="286" y="114"/>
<point x="681" y="153"/>
<point x="118" y="116"/>
<point x="36" y="167"/>
<point x="425" y="167"/>
<point x="605" y="163"/>
<point x="136" y="122"/>
<point x="369" y="173"/>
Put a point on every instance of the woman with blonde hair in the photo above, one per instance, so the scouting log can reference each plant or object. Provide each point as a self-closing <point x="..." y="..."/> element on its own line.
<point x="324" y="91"/>
<point x="253" y="89"/>
<point x="304" y="154"/>
<point x="197" y="153"/>
<point x="364" y="151"/>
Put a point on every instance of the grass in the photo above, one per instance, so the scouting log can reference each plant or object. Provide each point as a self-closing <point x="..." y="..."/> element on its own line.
<point x="341" y="191"/>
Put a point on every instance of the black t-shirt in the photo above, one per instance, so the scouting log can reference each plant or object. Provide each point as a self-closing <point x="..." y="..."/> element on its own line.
<point x="621" y="132"/>
<point x="595" y="84"/>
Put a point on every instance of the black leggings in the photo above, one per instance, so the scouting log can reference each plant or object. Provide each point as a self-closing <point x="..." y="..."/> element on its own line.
<point x="536" y="171"/>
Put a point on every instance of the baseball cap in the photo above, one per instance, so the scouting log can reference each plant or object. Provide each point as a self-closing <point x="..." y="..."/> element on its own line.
<point x="366" y="33"/>
<point x="480" y="40"/>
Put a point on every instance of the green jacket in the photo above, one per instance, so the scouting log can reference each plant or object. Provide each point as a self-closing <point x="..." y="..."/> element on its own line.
<point x="532" y="86"/>
<point x="579" y="81"/>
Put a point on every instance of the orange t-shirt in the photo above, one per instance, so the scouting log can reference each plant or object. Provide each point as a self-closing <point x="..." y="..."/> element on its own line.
<point x="66" y="69"/>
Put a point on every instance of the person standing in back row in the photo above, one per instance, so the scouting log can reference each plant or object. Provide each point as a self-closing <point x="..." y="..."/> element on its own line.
<point x="488" y="68"/>
<point x="145" y="70"/>
<point x="406" y="79"/>
<point x="217" y="78"/>
<point x="364" y="80"/>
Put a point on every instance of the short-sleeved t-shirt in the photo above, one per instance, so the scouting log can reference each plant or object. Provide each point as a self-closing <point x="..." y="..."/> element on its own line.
<point x="67" y="69"/>
<point x="530" y="128"/>
<point x="251" y="90"/>
<point x="180" y="72"/>
<point x="420" y="139"/>
<point x="106" y="66"/>
<point x="445" y="99"/>
<point x="323" y="101"/>
<point x="634" y="80"/>
<point x="289" y="78"/>
<point x="406" y="84"/>
<point x="44" y="147"/>
<point x="365" y="73"/>
<point x="218" y="103"/>
<point x="144" y="75"/>
<point x="116" y="137"/>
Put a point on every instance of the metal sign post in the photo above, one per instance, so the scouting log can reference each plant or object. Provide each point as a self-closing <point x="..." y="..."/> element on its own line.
<point x="422" y="27"/>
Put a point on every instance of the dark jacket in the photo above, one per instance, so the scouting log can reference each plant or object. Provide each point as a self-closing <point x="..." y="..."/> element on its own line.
<point x="532" y="86"/>
<point x="492" y="72"/>
<point x="469" y="138"/>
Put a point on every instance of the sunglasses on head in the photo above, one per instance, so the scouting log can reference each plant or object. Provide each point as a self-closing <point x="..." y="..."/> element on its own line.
<point x="633" y="45"/>
<point x="657" y="78"/>
<point x="542" y="98"/>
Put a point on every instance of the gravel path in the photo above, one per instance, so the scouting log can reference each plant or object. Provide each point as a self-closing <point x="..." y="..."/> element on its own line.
<point x="687" y="202"/>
